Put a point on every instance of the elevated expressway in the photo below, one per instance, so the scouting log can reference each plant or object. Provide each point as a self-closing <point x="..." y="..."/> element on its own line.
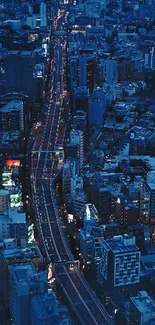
<point x="44" y="169"/>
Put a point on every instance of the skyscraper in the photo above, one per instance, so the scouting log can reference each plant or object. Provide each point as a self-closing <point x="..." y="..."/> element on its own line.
<point x="86" y="71"/>
<point x="19" y="73"/>
<point x="43" y="14"/>
<point x="73" y="73"/>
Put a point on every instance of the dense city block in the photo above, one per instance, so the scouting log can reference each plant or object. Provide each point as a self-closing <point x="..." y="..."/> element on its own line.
<point x="77" y="162"/>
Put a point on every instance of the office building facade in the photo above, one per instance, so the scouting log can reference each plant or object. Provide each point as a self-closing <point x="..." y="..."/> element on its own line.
<point x="19" y="73"/>
<point x="120" y="262"/>
<point x="76" y="139"/>
<point x="12" y="117"/>
<point x="4" y="201"/>
<point x="43" y="14"/>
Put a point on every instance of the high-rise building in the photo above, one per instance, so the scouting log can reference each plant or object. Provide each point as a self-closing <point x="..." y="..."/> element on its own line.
<point x="69" y="171"/>
<point x="73" y="73"/>
<point x="25" y="283"/>
<point x="83" y="71"/>
<point x="80" y="123"/>
<point x="76" y="140"/>
<point x="91" y="247"/>
<point x="17" y="97"/>
<point x="96" y="107"/>
<point x="100" y="72"/>
<point x="76" y="184"/>
<point x="66" y="178"/>
<point x="80" y="199"/>
<point x="19" y="73"/>
<point x="129" y="215"/>
<point x="125" y="69"/>
<point x="72" y="153"/>
<point x="86" y="71"/>
<point x="4" y="201"/>
<point x="151" y="188"/>
<point x="43" y="14"/>
<point x="33" y="21"/>
<point x="111" y="72"/>
<point x="12" y="117"/>
<point x="147" y="202"/>
<point x="142" y="309"/>
<point x="39" y="82"/>
<point x="87" y="240"/>
<point x="120" y="262"/>
<point x="103" y="203"/>
<point x="86" y="245"/>
<point x="80" y="99"/>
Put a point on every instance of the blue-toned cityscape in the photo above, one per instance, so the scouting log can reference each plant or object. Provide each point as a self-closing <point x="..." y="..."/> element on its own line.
<point x="77" y="162"/>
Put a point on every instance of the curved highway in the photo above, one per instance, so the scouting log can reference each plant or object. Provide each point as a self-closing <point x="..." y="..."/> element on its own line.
<point x="44" y="169"/>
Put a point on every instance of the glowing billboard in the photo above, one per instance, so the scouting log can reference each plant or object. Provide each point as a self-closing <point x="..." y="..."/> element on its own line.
<point x="12" y="163"/>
